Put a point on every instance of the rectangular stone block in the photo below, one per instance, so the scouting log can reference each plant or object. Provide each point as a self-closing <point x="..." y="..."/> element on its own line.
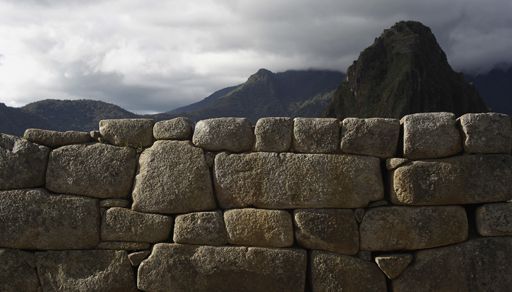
<point x="120" y="224"/>
<point x="175" y="267"/>
<point x="288" y="180"/>
<point x="201" y="228"/>
<point x="410" y="228"/>
<point x="180" y="128"/>
<point x="486" y="133"/>
<point x="56" y="139"/>
<point x="316" y="135"/>
<point x="35" y="219"/>
<point x="136" y="133"/>
<point x="467" y="179"/>
<point x="273" y="134"/>
<point x="494" y="219"/>
<point x="256" y="227"/>
<point x="219" y="134"/>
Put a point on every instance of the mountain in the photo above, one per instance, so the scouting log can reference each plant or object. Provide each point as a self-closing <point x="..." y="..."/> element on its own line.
<point x="404" y="71"/>
<point x="265" y="93"/>
<point x="14" y="120"/>
<point x="496" y="88"/>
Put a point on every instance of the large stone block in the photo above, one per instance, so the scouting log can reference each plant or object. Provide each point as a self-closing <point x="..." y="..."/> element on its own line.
<point x="333" y="230"/>
<point x="316" y="135"/>
<point x="18" y="271"/>
<point x="173" y="178"/>
<point x="257" y="227"/>
<point x="479" y="265"/>
<point x="120" y="224"/>
<point x="467" y="179"/>
<point x="56" y="139"/>
<point x="273" y="134"/>
<point x="201" y="228"/>
<point x="334" y="272"/>
<point x="136" y="133"/>
<point x="35" y="219"/>
<point x="375" y="136"/>
<point x="85" y="270"/>
<point x="94" y="170"/>
<point x="230" y="134"/>
<point x="486" y="133"/>
<point x="174" y="267"/>
<point x="22" y="164"/>
<point x="431" y="135"/>
<point x="180" y="128"/>
<point x="409" y="228"/>
<point x="288" y="180"/>
<point x="494" y="219"/>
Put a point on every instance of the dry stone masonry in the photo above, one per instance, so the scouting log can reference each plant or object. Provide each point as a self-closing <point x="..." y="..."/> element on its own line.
<point x="304" y="204"/>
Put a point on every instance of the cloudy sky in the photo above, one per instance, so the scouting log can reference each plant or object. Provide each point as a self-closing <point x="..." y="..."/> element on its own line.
<point x="154" y="55"/>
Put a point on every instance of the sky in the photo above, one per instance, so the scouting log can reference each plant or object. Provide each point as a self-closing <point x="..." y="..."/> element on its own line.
<point x="152" y="55"/>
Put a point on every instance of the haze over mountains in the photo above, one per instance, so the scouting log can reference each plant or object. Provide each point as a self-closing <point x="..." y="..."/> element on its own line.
<point x="404" y="71"/>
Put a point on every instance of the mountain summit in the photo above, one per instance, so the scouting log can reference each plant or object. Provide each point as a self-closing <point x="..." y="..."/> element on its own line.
<point x="404" y="71"/>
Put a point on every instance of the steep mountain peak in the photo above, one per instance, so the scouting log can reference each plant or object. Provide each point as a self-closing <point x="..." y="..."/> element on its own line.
<point x="261" y="75"/>
<point x="404" y="71"/>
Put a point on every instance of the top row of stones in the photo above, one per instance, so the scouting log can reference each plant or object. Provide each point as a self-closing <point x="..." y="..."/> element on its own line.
<point x="425" y="135"/>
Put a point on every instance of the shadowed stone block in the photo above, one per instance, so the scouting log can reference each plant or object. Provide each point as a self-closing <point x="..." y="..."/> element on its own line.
<point x="120" y="224"/>
<point x="175" y="267"/>
<point x="173" y="178"/>
<point x="486" y="133"/>
<point x="180" y="128"/>
<point x="273" y="134"/>
<point x="18" y="271"/>
<point x="230" y="134"/>
<point x="136" y="133"/>
<point x="288" y="180"/>
<point x="22" y="163"/>
<point x="85" y="270"/>
<point x="466" y="179"/>
<point x="478" y="265"/>
<point x="35" y="219"/>
<point x="137" y="257"/>
<point x="325" y="229"/>
<point x="109" y="203"/>
<point x="334" y="272"/>
<point x="393" y="264"/>
<point x="200" y="228"/>
<point x="257" y="227"/>
<point x="123" y="245"/>
<point x="431" y="135"/>
<point x="375" y="136"/>
<point x="409" y="228"/>
<point x="56" y="139"/>
<point x="316" y="135"/>
<point x="494" y="219"/>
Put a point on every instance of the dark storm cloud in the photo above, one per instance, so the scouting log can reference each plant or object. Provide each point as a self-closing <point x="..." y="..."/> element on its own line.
<point x="155" y="55"/>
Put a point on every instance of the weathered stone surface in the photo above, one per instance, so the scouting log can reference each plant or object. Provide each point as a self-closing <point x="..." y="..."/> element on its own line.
<point x="478" y="265"/>
<point x="180" y="128"/>
<point x="173" y="178"/>
<point x="374" y="136"/>
<point x="200" y="228"/>
<point x="393" y="264"/>
<point x="494" y="219"/>
<point x="486" y="133"/>
<point x="288" y="180"/>
<point x="258" y="227"/>
<point x="109" y="203"/>
<point x="137" y="133"/>
<point x="22" y="164"/>
<point x="316" y="135"/>
<point x="123" y="245"/>
<point x="35" y="219"/>
<point x="466" y="179"/>
<point x="120" y="224"/>
<point x="56" y="139"/>
<point x="231" y="134"/>
<point x="85" y="270"/>
<point x="409" y="228"/>
<point x="394" y="163"/>
<point x="431" y="135"/>
<point x="18" y="271"/>
<point x="137" y="257"/>
<point x="273" y="134"/>
<point x="334" y="272"/>
<point x="333" y="230"/>
<point x="175" y="267"/>
<point x="94" y="170"/>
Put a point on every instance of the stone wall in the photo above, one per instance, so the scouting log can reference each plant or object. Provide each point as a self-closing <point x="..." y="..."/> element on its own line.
<point x="421" y="204"/>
